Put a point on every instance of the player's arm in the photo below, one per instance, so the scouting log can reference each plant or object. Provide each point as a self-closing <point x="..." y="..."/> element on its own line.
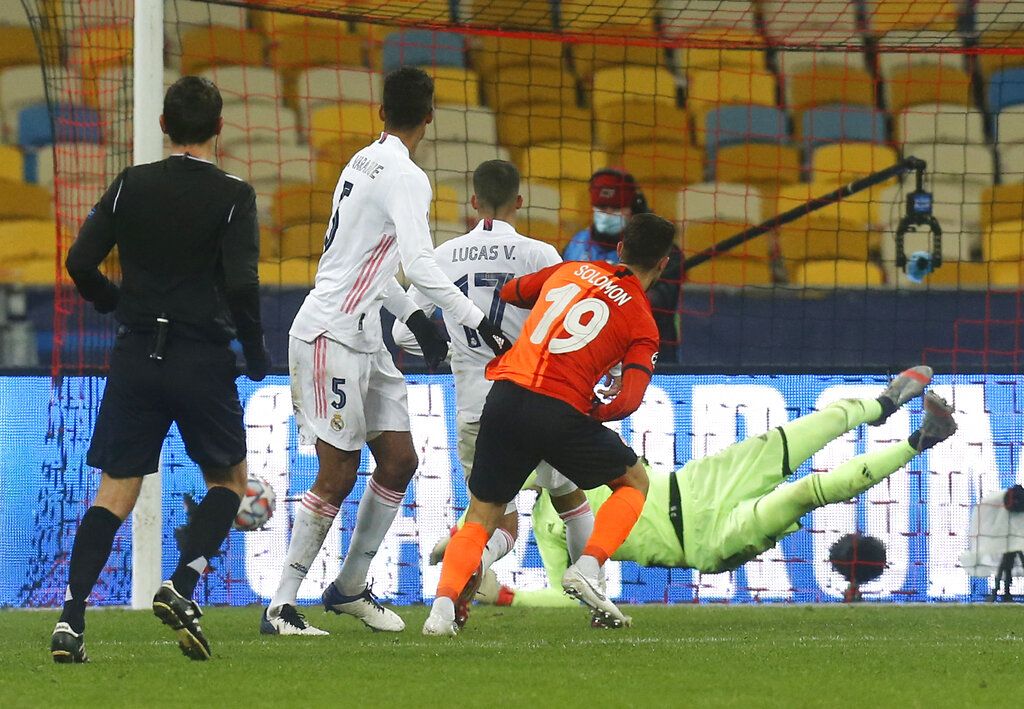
<point x="400" y="331"/>
<point x="637" y="370"/>
<point x="413" y="330"/>
<point x="95" y="240"/>
<point x="240" y="254"/>
<point x="524" y="291"/>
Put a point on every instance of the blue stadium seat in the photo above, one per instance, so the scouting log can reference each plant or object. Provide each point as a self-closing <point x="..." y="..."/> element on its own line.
<point x="839" y="123"/>
<point x="744" y="124"/>
<point x="423" y="47"/>
<point x="1005" y="88"/>
<point x="72" y="124"/>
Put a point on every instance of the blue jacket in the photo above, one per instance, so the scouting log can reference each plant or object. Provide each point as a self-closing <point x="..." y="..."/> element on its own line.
<point x="581" y="248"/>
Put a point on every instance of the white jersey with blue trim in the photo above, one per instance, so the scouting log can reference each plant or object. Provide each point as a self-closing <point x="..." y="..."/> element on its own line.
<point x="379" y="220"/>
<point x="480" y="263"/>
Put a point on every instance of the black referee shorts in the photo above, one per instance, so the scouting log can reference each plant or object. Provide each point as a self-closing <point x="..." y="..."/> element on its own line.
<point x="519" y="428"/>
<point x="194" y="387"/>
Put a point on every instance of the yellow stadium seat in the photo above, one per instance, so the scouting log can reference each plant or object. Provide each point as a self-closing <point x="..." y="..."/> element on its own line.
<point x="989" y="62"/>
<point x="17" y="46"/>
<point x="548" y="232"/>
<point x="23" y="201"/>
<point x="710" y="89"/>
<point x="12" y="164"/>
<point x="302" y="241"/>
<point x="530" y="124"/>
<point x="491" y="53"/>
<point x="607" y="16"/>
<point x="675" y="163"/>
<point x="270" y="244"/>
<point x="455" y="86"/>
<point x="29" y="272"/>
<point x="698" y="236"/>
<point x="28" y="239"/>
<point x="886" y="15"/>
<point x="588" y="58"/>
<point x="758" y="163"/>
<point x="828" y="84"/>
<point x="928" y="84"/>
<point x="1009" y="275"/>
<point x="837" y="273"/>
<point x="347" y="122"/>
<point x="1003" y="241"/>
<point x="332" y="157"/>
<point x="639" y="121"/>
<point x="731" y="272"/>
<point x="616" y="84"/>
<point x="844" y="162"/>
<point x="447" y="206"/>
<point x="721" y="47"/>
<point x="959" y="274"/>
<point x="519" y="14"/>
<point x="856" y="212"/>
<point x="424" y="11"/>
<point x="531" y="84"/>
<point x="1001" y="203"/>
<point x="565" y="161"/>
<point x="210" y="46"/>
<point x="314" y="42"/>
<point x="823" y="239"/>
<point x="288" y="272"/>
<point x="302" y="203"/>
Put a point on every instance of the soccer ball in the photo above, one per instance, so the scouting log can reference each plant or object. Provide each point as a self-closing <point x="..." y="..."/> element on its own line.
<point x="257" y="506"/>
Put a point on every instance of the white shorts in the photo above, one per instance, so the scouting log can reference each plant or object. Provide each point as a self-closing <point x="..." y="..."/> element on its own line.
<point x="547" y="477"/>
<point x="344" y="397"/>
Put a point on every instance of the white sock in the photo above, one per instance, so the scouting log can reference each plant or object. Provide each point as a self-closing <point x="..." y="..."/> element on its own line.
<point x="312" y="523"/>
<point x="500" y="544"/>
<point x="579" y="525"/>
<point x="444" y="607"/>
<point x="588" y="566"/>
<point x="377" y="511"/>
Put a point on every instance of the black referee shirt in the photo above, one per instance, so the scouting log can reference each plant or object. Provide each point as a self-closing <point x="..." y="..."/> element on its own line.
<point x="188" y="240"/>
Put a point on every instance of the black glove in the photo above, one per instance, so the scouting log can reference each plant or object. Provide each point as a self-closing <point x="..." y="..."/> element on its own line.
<point x="107" y="300"/>
<point x="257" y="360"/>
<point x="434" y="347"/>
<point x="493" y="337"/>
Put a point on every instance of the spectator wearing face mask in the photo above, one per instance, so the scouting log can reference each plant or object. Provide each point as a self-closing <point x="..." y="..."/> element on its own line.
<point x="614" y="198"/>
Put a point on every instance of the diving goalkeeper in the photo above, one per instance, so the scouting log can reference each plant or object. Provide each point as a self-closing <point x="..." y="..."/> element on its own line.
<point x="718" y="512"/>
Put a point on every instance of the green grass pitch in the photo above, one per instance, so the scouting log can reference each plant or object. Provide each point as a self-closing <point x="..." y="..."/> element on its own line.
<point x="810" y="656"/>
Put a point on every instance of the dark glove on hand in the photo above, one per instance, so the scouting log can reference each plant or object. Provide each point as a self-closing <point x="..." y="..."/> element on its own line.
<point x="107" y="302"/>
<point x="257" y="360"/>
<point x="434" y="347"/>
<point x="493" y="337"/>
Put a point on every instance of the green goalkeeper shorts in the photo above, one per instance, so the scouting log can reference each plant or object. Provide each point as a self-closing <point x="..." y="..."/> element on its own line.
<point x="719" y="492"/>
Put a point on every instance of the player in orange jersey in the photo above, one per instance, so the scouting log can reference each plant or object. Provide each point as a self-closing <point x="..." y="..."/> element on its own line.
<point x="585" y="318"/>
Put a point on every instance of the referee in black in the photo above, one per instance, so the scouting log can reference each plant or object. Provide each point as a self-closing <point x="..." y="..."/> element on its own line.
<point x="188" y="242"/>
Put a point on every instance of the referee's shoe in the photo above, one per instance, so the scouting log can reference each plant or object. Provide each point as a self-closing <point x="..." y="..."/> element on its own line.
<point x="67" y="646"/>
<point x="181" y="615"/>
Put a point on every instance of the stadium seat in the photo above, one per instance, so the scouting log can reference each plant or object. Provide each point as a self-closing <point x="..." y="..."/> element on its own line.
<point x="18" y="47"/>
<point x="449" y="161"/>
<point x="303" y="241"/>
<point x="939" y="123"/>
<point x="200" y="14"/>
<point x="613" y="18"/>
<point x="548" y="232"/>
<point x="524" y="125"/>
<point x="492" y="53"/>
<point x="786" y="20"/>
<point x="1010" y="125"/>
<point x="12" y="164"/>
<point x="762" y="164"/>
<point x="312" y="42"/>
<point x="202" y="47"/>
<point x="330" y="85"/>
<point x="569" y="161"/>
<point x="858" y="212"/>
<point x="68" y="124"/>
<point x="270" y="244"/>
<point x="823" y="238"/>
<point x="698" y="236"/>
<point x="332" y="124"/>
<point x="727" y="271"/>
<point x="972" y="163"/>
<point x="1011" y="169"/>
<point x="673" y="164"/>
<point x="826" y="86"/>
<point x="927" y="48"/>
<point x="332" y="157"/>
<point x="29" y="272"/>
<point x="529" y="84"/>
<point x="244" y="84"/>
<point x="795" y="62"/>
<point x="719" y="201"/>
<point x="589" y="58"/>
<point x="447" y="204"/>
<point x="638" y="121"/>
<point x="77" y="161"/>
<point x="928" y="84"/>
<point x="455" y="86"/>
<point x="516" y="14"/>
<point x="837" y="273"/>
<point x="292" y="272"/>
<point x="303" y="203"/>
<point x="844" y="162"/>
<point x="469" y="124"/>
<point x="1004" y="241"/>
<point x="258" y="123"/>
<point x="23" y="201"/>
<point x="714" y="48"/>
<point x="708" y="90"/>
<point x="95" y="48"/>
<point x="991" y="59"/>
<point x="1006" y="275"/>
<point x="264" y="163"/>
<point x="616" y="84"/>
<point x="443" y="231"/>
<point x="687" y="16"/>
<point x="24" y="239"/>
<point x="1005" y="88"/>
<point x="836" y="124"/>
<point x="423" y="48"/>
<point x="541" y="203"/>
<point x="743" y="124"/>
<point x="885" y="15"/>
<point x="20" y="86"/>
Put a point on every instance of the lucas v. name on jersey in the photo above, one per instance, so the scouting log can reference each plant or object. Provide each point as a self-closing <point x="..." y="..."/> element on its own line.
<point x="489" y="252"/>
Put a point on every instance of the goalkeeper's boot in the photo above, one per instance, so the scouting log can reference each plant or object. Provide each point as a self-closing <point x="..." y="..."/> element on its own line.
<point x="182" y="615"/>
<point x="938" y="424"/>
<point x="588" y="591"/>
<point x="441" y="621"/>
<point x="288" y="621"/>
<point x="363" y="606"/>
<point x="465" y="599"/>
<point x="909" y="384"/>
<point x="67" y="646"/>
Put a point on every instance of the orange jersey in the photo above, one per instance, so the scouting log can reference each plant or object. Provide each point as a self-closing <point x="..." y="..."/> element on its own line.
<point x="586" y="317"/>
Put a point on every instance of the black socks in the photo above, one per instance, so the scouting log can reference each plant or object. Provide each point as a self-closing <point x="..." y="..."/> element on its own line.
<point x="888" y="408"/>
<point x="210" y="525"/>
<point x="93" y="541"/>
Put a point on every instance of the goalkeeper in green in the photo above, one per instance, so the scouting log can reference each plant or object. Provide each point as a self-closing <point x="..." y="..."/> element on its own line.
<point x="718" y="512"/>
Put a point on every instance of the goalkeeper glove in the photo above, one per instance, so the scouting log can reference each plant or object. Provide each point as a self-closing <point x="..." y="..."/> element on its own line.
<point x="257" y="360"/>
<point x="433" y="346"/>
<point x="493" y="337"/>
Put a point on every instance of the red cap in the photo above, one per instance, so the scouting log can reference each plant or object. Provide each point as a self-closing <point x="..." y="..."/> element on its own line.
<point x="613" y="190"/>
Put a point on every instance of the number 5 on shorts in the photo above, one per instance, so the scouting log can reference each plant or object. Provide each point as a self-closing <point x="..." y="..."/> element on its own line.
<point x="336" y="386"/>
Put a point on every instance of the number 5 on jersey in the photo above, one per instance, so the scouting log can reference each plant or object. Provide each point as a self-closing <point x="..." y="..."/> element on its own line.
<point x="346" y="190"/>
<point x="583" y="323"/>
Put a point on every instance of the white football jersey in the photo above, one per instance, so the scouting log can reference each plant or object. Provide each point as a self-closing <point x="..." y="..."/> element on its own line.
<point x="480" y="263"/>
<point x="380" y="219"/>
